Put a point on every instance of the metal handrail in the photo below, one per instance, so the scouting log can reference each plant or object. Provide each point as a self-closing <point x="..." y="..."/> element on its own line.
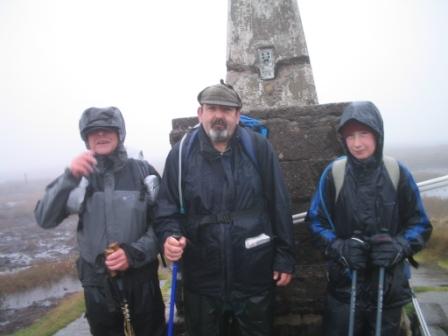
<point x="423" y="186"/>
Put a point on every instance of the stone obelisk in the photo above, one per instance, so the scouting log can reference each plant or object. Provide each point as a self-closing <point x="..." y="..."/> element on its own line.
<point x="267" y="57"/>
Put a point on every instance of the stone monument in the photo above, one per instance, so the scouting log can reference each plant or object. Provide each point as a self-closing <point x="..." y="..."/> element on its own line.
<point x="267" y="57"/>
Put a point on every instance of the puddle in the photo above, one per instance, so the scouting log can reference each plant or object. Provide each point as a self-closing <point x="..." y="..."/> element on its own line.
<point x="41" y="295"/>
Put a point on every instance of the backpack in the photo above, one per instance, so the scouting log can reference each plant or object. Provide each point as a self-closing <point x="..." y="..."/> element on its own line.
<point x="149" y="184"/>
<point x="337" y="168"/>
<point x="338" y="172"/>
<point x="246" y="140"/>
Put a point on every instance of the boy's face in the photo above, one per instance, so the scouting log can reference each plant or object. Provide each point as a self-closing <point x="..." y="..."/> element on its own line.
<point x="359" y="139"/>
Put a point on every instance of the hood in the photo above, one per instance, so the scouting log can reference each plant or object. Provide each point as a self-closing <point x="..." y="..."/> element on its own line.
<point x="368" y="114"/>
<point x="102" y="117"/>
<point x="108" y="117"/>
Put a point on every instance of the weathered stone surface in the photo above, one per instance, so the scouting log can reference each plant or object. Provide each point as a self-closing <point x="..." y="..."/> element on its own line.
<point x="267" y="57"/>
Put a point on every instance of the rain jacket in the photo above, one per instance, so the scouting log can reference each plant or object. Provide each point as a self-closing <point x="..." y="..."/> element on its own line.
<point x="114" y="208"/>
<point x="230" y="202"/>
<point x="368" y="202"/>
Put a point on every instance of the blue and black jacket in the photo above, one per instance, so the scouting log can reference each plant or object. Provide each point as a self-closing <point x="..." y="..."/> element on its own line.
<point x="368" y="202"/>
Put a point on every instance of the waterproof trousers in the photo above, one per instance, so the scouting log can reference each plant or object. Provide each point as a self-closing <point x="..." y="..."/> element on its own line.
<point x="146" y="308"/>
<point x="336" y="319"/>
<point x="207" y="316"/>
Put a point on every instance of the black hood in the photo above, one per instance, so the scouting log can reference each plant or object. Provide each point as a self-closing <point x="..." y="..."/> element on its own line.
<point x="368" y="114"/>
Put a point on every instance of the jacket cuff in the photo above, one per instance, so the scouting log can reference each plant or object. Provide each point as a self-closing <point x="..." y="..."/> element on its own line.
<point x="134" y="256"/>
<point x="404" y="243"/>
<point x="70" y="177"/>
<point x="283" y="266"/>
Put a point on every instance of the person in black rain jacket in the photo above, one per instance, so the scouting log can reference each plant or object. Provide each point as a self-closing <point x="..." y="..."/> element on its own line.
<point x="235" y="231"/>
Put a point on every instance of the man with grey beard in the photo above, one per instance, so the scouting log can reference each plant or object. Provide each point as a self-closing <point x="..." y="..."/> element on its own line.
<point x="227" y="217"/>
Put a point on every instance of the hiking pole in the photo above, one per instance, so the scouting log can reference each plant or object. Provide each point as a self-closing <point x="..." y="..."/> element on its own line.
<point x="379" y="307"/>
<point x="173" y="294"/>
<point x="351" y="321"/>
<point x="418" y="311"/>
<point x="117" y="284"/>
<point x="172" y="299"/>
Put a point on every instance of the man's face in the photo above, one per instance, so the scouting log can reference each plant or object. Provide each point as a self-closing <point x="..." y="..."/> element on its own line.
<point x="102" y="141"/>
<point x="360" y="140"/>
<point x="219" y="121"/>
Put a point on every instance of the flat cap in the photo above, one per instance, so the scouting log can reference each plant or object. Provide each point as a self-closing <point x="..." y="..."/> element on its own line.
<point x="220" y="94"/>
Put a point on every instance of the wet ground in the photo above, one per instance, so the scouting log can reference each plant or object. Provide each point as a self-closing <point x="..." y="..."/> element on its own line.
<point x="23" y="244"/>
<point x="434" y="305"/>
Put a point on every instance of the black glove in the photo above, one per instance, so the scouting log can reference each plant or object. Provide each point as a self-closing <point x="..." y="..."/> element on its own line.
<point x="387" y="251"/>
<point x="352" y="253"/>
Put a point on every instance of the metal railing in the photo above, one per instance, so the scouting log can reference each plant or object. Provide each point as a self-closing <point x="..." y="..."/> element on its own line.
<point x="423" y="186"/>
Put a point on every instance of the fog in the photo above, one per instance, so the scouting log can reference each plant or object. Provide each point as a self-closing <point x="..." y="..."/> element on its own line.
<point x="151" y="58"/>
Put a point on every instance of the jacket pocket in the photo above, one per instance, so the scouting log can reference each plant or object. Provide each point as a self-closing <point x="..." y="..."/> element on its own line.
<point x="204" y="264"/>
<point x="254" y="265"/>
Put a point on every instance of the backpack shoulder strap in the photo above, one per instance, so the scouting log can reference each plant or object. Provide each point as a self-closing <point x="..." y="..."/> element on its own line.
<point x="248" y="143"/>
<point x="184" y="148"/>
<point x="338" y="172"/>
<point x="143" y="168"/>
<point x="393" y="169"/>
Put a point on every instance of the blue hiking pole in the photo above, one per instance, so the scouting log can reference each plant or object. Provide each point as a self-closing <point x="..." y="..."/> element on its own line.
<point x="351" y="321"/>
<point x="379" y="307"/>
<point x="173" y="293"/>
<point x="172" y="299"/>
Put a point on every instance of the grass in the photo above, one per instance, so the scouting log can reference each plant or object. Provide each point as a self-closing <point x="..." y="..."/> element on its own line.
<point x="41" y="274"/>
<point x="424" y="289"/>
<point x="436" y="253"/>
<point x="70" y="308"/>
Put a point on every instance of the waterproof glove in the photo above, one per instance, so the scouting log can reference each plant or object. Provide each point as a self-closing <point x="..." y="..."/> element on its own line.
<point x="387" y="251"/>
<point x="352" y="253"/>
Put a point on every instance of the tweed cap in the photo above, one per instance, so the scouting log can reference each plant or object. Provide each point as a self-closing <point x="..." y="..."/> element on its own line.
<point x="220" y="94"/>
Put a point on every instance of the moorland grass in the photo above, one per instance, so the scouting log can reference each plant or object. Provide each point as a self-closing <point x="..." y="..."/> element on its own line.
<point x="38" y="275"/>
<point x="70" y="308"/>
<point x="423" y="289"/>
<point x="436" y="253"/>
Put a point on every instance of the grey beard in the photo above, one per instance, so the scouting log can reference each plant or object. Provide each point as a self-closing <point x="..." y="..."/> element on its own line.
<point x="219" y="136"/>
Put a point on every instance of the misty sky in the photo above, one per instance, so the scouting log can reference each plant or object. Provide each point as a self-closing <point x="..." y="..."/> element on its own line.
<point x="151" y="58"/>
